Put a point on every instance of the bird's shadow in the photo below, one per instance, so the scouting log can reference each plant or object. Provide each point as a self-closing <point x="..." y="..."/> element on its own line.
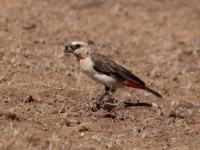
<point x="137" y="104"/>
<point x="111" y="104"/>
<point x="125" y="104"/>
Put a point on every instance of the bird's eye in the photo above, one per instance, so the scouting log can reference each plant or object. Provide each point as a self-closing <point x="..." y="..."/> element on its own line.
<point x="78" y="46"/>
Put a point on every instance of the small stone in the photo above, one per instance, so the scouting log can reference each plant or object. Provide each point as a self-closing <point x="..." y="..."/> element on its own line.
<point x="29" y="26"/>
<point x="29" y="99"/>
<point x="84" y="127"/>
<point x="2" y="79"/>
<point x="156" y="74"/>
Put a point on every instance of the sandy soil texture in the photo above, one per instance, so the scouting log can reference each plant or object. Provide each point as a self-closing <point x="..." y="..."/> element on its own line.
<point x="47" y="103"/>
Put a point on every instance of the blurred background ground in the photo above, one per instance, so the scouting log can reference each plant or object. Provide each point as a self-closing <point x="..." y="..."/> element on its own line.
<point x="45" y="101"/>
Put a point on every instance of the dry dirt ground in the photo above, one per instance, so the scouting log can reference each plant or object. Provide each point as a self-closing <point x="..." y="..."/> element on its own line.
<point x="47" y="103"/>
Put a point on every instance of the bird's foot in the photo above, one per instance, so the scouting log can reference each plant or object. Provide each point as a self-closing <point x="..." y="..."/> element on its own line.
<point x="110" y="89"/>
<point x="104" y="99"/>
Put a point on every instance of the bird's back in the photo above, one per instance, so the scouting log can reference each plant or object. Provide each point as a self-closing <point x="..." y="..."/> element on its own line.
<point x="105" y="65"/>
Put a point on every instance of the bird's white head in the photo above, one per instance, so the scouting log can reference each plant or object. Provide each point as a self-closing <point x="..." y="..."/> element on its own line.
<point x="79" y="49"/>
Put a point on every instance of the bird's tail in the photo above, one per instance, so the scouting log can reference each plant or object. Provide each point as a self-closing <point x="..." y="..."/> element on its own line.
<point x="134" y="85"/>
<point x="152" y="91"/>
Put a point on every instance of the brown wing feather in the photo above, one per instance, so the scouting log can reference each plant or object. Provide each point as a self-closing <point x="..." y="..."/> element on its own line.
<point x="109" y="67"/>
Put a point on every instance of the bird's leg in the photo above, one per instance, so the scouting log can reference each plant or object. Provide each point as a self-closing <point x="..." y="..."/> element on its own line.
<point x="104" y="93"/>
<point x="99" y="104"/>
<point x="107" y="91"/>
<point x="112" y="89"/>
<point x="110" y="92"/>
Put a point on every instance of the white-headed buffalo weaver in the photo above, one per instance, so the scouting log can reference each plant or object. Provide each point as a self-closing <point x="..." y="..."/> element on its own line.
<point x="104" y="70"/>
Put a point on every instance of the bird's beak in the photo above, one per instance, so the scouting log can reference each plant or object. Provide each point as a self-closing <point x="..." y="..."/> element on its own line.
<point x="69" y="48"/>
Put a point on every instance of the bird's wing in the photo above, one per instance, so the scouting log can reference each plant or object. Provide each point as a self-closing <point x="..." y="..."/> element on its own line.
<point x="104" y="65"/>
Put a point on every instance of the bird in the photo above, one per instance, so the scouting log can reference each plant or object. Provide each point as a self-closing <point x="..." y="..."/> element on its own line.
<point x="104" y="70"/>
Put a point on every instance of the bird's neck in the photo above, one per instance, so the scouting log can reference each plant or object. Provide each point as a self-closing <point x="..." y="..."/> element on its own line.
<point x="83" y="56"/>
<point x="80" y="57"/>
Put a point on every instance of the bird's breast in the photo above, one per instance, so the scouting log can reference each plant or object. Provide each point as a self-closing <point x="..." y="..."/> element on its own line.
<point x="87" y="65"/>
